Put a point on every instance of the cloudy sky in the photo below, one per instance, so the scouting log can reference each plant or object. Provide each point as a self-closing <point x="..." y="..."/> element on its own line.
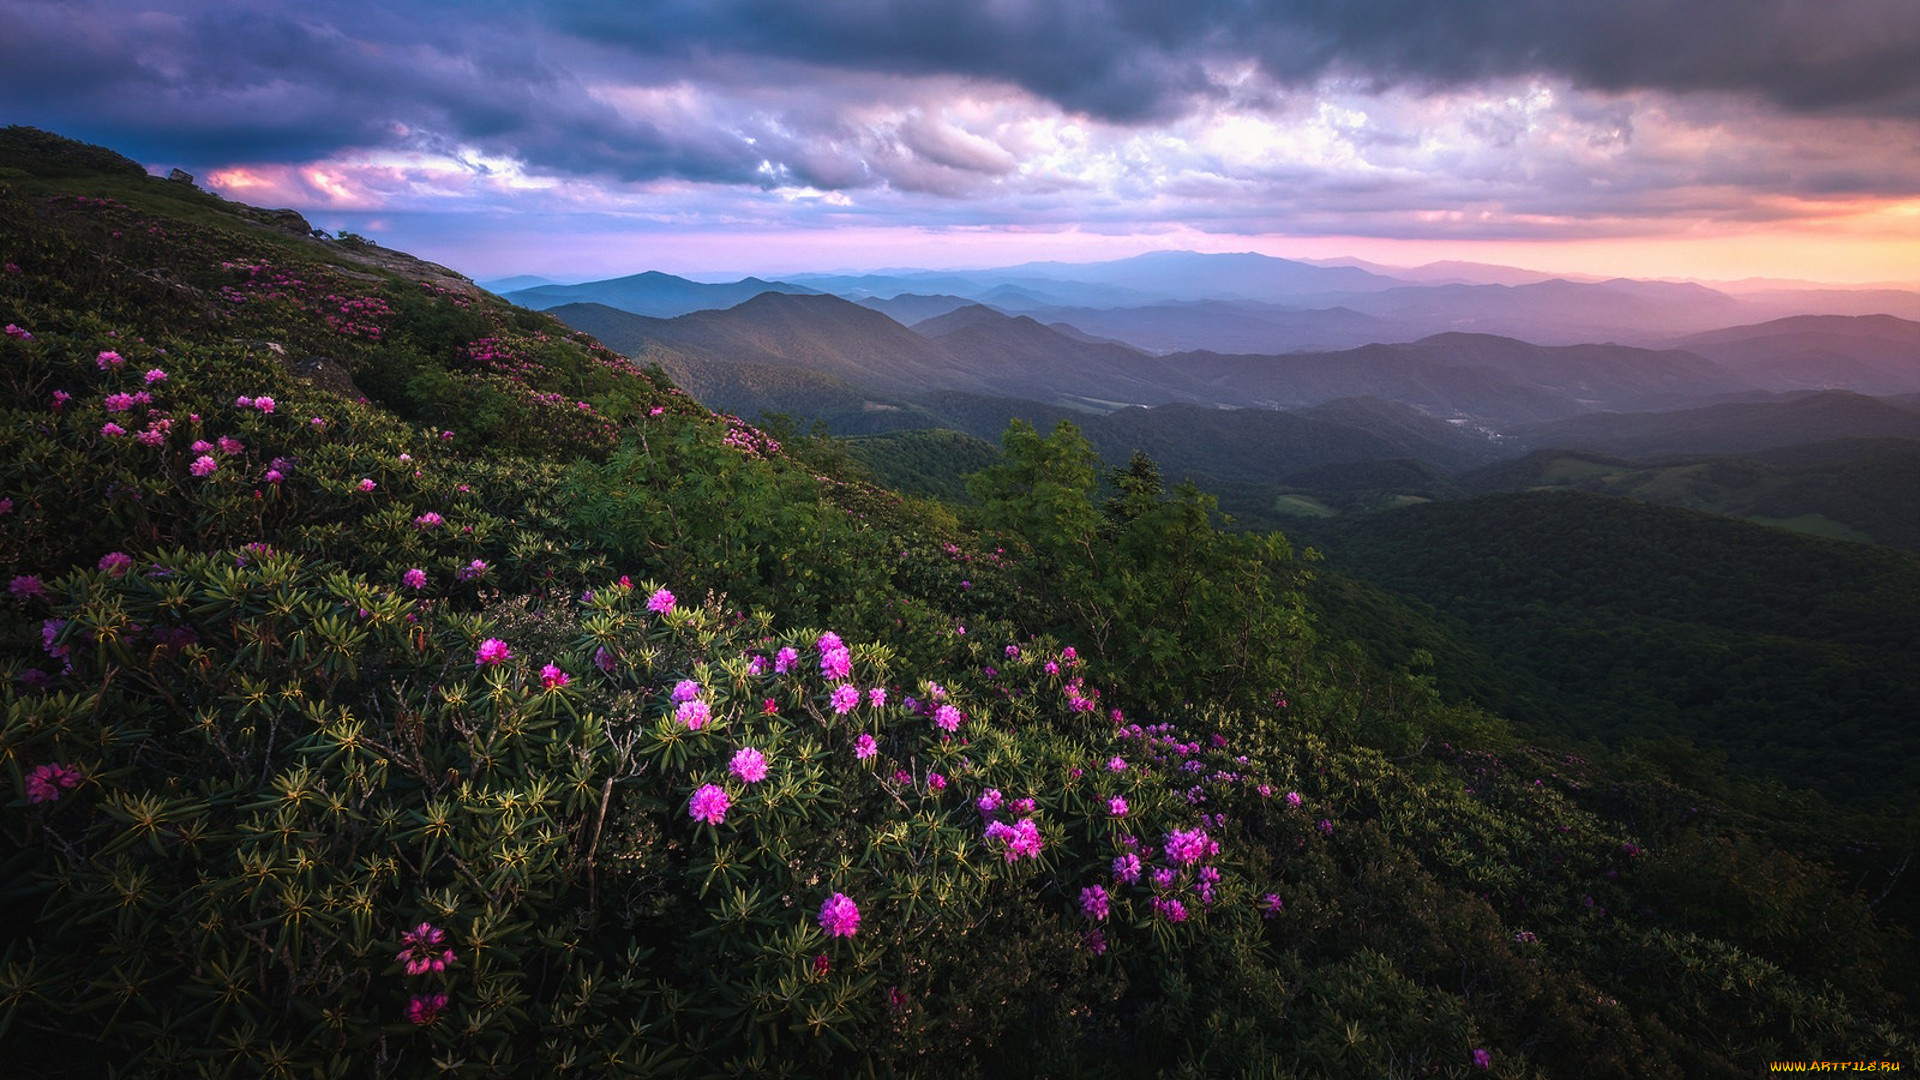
<point x="1712" y="138"/>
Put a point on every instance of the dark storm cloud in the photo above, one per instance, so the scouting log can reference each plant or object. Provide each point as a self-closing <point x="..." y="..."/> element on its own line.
<point x="1133" y="60"/>
<point x="787" y="93"/>
<point x="286" y="83"/>
<point x="282" y="73"/>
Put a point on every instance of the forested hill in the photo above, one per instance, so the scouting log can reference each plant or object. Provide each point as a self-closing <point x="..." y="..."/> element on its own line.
<point x="1793" y="653"/>
<point x="398" y="684"/>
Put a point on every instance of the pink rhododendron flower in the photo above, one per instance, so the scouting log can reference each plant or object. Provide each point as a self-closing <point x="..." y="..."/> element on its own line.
<point x="1325" y="827"/>
<point x="492" y="651"/>
<point x="694" y="714"/>
<point x="836" y="664"/>
<point x="1022" y="838"/>
<point x="845" y="697"/>
<point x="840" y="916"/>
<point x="709" y="805"/>
<point x="1126" y="868"/>
<point x="1117" y="806"/>
<point x="27" y="587"/>
<point x="1189" y="846"/>
<point x="112" y="431"/>
<point x="118" y="402"/>
<point x="936" y="782"/>
<point x="108" y="360"/>
<point x="864" y="748"/>
<point x="1116" y="763"/>
<point x="1271" y="905"/>
<point x="749" y="765"/>
<point x="264" y="404"/>
<point x="421" y="950"/>
<point x="660" y="602"/>
<point x="686" y="690"/>
<point x="243" y="402"/>
<point x="155" y="375"/>
<point x="1093" y="903"/>
<point x="17" y="333"/>
<point x="989" y="800"/>
<point x="367" y="485"/>
<point x="415" y="578"/>
<point x="1293" y="798"/>
<point x="552" y="678"/>
<point x="424" y="1009"/>
<point x="783" y="661"/>
<point x="46" y="782"/>
<point x="1170" y="909"/>
<point x="429" y="520"/>
<point x="947" y="718"/>
<point x="204" y="465"/>
<point x="877" y="697"/>
<point x="1482" y="1059"/>
<point x="116" y="562"/>
<point x="49" y="638"/>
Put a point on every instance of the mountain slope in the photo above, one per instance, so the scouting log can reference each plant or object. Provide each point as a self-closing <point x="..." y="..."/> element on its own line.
<point x="823" y="334"/>
<point x="1864" y="489"/>
<point x="1732" y="428"/>
<point x="653" y="294"/>
<point x="1873" y="354"/>
<point x="1786" y="652"/>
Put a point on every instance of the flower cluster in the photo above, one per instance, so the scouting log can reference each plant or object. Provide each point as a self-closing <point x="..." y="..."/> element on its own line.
<point x="46" y="783"/>
<point x="840" y="916"/>
<point x="1021" y="839"/>
<point x="421" y="950"/>
<point x="749" y="765"/>
<point x="709" y="804"/>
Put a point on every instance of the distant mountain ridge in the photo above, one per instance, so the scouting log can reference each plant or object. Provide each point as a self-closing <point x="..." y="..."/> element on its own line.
<point x="1252" y="303"/>
<point x="1483" y="379"/>
<point x="1877" y="354"/>
<point x="652" y="293"/>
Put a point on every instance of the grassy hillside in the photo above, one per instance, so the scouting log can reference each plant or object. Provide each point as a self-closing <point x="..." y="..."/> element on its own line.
<point x="398" y="684"/>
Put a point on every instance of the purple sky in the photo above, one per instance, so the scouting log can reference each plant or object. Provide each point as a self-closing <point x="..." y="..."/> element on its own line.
<point x="1715" y="138"/>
